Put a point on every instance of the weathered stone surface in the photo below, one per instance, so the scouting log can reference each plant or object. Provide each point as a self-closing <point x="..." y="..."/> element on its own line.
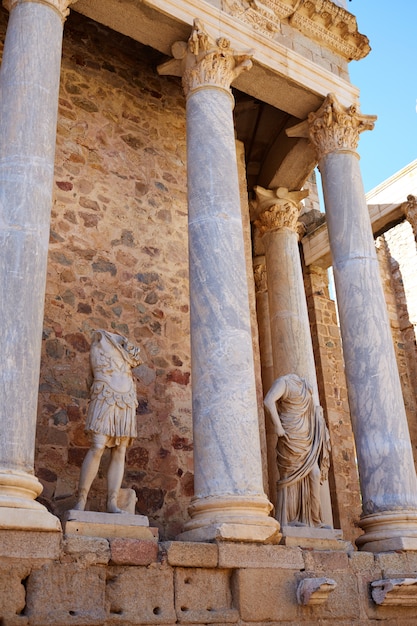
<point x="29" y="544"/>
<point x="140" y="595"/>
<point x="12" y="592"/>
<point x="266" y="595"/>
<point x="204" y="596"/>
<point x="133" y="551"/>
<point x="78" y="595"/>
<point x="257" y="556"/>
<point x="188" y="554"/>
<point x="88" y="550"/>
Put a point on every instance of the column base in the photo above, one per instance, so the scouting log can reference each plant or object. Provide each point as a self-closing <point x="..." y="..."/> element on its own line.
<point x="231" y="518"/>
<point x="18" y="508"/>
<point x="388" y="531"/>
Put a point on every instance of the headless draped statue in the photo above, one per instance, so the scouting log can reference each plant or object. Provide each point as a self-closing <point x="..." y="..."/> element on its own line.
<point x="302" y="450"/>
<point x="111" y="418"/>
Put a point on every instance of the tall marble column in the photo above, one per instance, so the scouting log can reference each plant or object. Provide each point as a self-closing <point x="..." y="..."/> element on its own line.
<point x="229" y="501"/>
<point x="411" y="213"/>
<point x="386" y="468"/>
<point x="29" y="84"/>
<point x="276" y="214"/>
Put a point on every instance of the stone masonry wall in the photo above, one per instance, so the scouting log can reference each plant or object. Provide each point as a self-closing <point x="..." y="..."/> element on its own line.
<point x="90" y="581"/>
<point x="118" y="260"/>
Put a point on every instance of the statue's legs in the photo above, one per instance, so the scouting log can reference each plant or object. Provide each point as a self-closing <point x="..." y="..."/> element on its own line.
<point x="89" y="469"/>
<point x="115" y="475"/>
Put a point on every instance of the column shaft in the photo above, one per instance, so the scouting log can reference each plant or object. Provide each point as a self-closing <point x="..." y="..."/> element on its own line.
<point x="229" y="501"/>
<point x="290" y="328"/>
<point x="375" y="398"/>
<point x="386" y="468"/>
<point x="29" y="82"/>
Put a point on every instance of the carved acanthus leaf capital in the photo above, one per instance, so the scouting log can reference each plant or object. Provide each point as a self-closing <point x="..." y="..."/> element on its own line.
<point x="333" y="127"/>
<point x="60" y="6"/>
<point x="206" y="62"/>
<point x="275" y="209"/>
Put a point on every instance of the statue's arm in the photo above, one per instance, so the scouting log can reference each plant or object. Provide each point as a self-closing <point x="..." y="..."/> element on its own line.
<point x="274" y="394"/>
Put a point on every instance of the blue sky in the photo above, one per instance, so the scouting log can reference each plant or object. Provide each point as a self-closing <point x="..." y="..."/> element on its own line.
<point x="387" y="78"/>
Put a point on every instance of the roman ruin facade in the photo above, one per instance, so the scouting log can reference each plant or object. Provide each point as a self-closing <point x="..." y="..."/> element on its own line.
<point x="157" y="181"/>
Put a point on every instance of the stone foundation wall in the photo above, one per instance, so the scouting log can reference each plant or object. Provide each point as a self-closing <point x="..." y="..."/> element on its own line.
<point x="94" y="581"/>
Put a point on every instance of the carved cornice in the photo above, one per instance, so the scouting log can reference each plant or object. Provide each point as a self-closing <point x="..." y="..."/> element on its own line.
<point x="206" y="62"/>
<point x="331" y="26"/>
<point x="276" y="209"/>
<point x="333" y="128"/>
<point x="320" y="20"/>
<point x="60" y="6"/>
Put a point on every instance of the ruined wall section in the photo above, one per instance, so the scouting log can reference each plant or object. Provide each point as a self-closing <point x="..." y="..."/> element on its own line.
<point x="118" y="260"/>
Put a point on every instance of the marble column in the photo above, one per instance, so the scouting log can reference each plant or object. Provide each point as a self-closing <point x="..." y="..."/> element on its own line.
<point x="229" y="501"/>
<point x="276" y="214"/>
<point x="410" y="209"/>
<point x="385" y="460"/>
<point x="29" y="84"/>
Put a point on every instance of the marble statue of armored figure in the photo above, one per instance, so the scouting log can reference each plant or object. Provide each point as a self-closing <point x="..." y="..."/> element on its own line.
<point x="303" y="450"/>
<point x="111" y="417"/>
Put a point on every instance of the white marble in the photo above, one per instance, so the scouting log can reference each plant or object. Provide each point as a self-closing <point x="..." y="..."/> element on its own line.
<point x="29" y="84"/>
<point x="229" y="492"/>
<point x="386" y="468"/>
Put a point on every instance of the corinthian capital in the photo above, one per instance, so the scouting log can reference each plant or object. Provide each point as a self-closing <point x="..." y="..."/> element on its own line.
<point x="206" y="62"/>
<point x="61" y="6"/>
<point x="333" y="128"/>
<point x="275" y="209"/>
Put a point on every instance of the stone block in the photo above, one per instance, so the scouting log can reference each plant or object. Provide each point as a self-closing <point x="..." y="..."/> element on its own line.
<point x="12" y="592"/>
<point x="394" y="564"/>
<point x="325" y="562"/>
<point x="235" y="555"/>
<point x="190" y="554"/>
<point x="203" y="596"/>
<point x="266" y="595"/>
<point x="59" y="594"/>
<point x="140" y="595"/>
<point x="88" y="550"/>
<point x="30" y="544"/>
<point x="133" y="551"/>
<point x="363" y="562"/>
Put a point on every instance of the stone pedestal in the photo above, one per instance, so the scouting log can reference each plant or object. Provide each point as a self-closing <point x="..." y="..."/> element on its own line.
<point x="29" y="85"/>
<point x="386" y="468"/>
<point x="108" y="525"/>
<point x="229" y="501"/>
